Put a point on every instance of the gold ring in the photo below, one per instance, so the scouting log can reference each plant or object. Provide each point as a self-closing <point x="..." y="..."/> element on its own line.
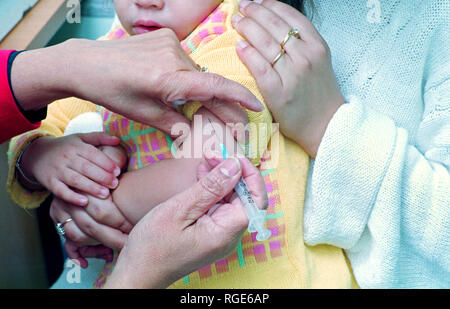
<point x="278" y="57"/>
<point x="292" y="33"/>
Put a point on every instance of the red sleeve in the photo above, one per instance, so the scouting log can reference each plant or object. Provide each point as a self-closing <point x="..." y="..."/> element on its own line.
<point x="12" y="121"/>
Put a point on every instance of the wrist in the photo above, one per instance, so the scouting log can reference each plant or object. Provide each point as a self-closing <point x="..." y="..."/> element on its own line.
<point x="41" y="76"/>
<point x="132" y="273"/>
<point x="311" y="137"/>
<point x="81" y="57"/>
<point x="24" y="169"/>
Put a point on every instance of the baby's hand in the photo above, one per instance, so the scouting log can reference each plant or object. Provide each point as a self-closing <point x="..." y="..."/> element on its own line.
<point x="71" y="162"/>
<point x="79" y="253"/>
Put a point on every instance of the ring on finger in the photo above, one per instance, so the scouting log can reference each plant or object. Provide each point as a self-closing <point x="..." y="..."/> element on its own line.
<point x="60" y="227"/>
<point x="278" y="57"/>
<point x="292" y="33"/>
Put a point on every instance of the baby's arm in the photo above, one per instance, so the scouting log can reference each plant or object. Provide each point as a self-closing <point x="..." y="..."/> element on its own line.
<point x="141" y="190"/>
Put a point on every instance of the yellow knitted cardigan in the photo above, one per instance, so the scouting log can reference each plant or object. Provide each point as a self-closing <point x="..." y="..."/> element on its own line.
<point x="282" y="261"/>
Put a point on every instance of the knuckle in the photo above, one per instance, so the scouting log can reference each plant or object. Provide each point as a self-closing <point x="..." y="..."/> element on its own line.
<point x="58" y="191"/>
<point x="90" y="150"/>
<point x="89" y="228"/>
<point x="267" y="42"/>
<point x="276" y="22"/>
<point x="74" y="180"/>
<point x="321" y="50"/>
<point x="214" y="185"/>
<point x="85" y="167"/>
<point x="76" y="237"/>
<point x="97" y="212"/>
<point x="217" y="81"/>
<point x="304" y="64"/>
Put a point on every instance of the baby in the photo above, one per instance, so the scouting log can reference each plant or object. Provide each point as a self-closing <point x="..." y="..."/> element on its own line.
<point x="154" y="175"/>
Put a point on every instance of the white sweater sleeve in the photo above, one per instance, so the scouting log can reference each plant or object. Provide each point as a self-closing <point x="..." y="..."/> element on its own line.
<point x="385" y="196"/>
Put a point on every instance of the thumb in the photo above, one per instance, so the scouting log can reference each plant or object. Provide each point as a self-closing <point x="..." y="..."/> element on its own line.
<point x="212" y="188"/>
<point x="99" y="139"/>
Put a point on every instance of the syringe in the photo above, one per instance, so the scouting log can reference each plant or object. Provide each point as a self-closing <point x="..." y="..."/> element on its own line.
<point x="256" y="216"/>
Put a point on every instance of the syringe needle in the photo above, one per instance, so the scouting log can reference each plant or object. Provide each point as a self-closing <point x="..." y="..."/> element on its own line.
<point x="255" y="215"/>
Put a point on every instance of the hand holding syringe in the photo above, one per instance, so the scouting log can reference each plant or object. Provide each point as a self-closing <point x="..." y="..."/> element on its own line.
<point x="255" y="215"/>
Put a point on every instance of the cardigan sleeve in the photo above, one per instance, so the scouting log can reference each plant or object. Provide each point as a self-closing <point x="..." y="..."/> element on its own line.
<point x="12" y="121"/>
<point x="383" y="195"/>
<point x="59" y="115"/>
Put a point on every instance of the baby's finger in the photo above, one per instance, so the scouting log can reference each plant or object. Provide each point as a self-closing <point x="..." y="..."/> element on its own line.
<point x="62" y="191"/>
<point x="97" y="252"/>
<point x="97" y="157"/>
<point x="77" y="181"/>
<point x="95" y="173"/>
<point x="73" y="254"/>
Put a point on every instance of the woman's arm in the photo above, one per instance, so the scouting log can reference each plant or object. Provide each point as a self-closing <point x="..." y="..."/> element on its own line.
<point x="383" y="198"/>
<point x="375" y="190"/>
<point x="384" y="194"/>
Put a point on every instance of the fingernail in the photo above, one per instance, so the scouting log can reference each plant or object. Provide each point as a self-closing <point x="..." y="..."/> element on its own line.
<point x="230" y="167"/>
<point x="117" y="171"/>
<point x="259" y="106"/>
<point x="104" y="193"/>
<point x="115" y="183"/>
<point x="241" y="44"/>
<point x="83" y="200"/>
<point x="258" y="1"/>
<point x="235" y="19"/>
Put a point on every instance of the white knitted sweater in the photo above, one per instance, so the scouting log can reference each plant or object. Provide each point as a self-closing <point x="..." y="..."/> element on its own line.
<point x="380" y="184"/>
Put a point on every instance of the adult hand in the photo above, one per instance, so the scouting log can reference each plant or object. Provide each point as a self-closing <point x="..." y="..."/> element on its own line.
<point x="300" y="89"/>
<point x="100" y="222"/>
<point x="139" y="77"/>
<point x="184" y="234"/>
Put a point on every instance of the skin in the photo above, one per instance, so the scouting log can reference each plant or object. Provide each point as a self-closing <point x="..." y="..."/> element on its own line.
<point x="131" y="201"/>
<point x="84" y="230"/>
<point x="167" y="13"/>
<point x="148" y="72"/>
<point x="64" y="165"/>
<point x="300" y="89"/>
<point x="165" y="74"/>
<point x="182" y="235"/>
